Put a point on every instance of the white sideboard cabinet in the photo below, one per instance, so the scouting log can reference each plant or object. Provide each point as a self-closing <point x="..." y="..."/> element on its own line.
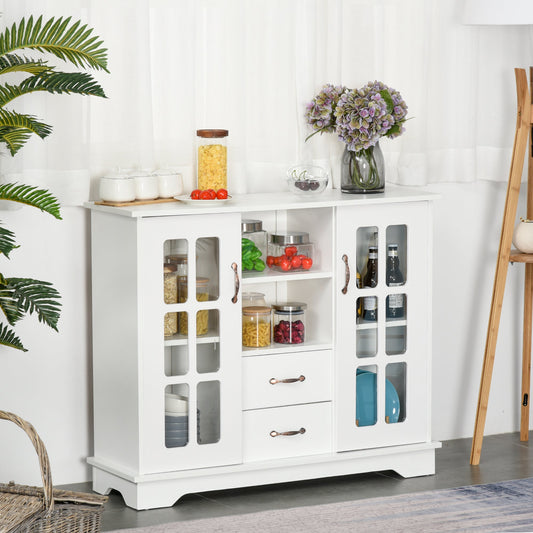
<point x="181" y="407"/>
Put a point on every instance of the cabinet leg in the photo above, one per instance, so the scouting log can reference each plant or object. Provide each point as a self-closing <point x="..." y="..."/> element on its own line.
<point x="526" y="353"/>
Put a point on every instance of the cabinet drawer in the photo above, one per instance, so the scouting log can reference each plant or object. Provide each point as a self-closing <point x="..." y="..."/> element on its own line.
<point x="308" y="375"/>
<point x="311" y="423"/>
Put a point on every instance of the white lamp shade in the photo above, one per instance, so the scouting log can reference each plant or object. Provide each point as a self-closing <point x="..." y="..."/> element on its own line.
<point x="499" y="12"/>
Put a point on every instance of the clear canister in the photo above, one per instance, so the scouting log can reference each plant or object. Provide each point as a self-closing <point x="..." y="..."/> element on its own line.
<point x="250" y="299"/>
<point x="170" y="290"/>
<point x="202" y="316"/>
<point x="256" y="326"/>
<point x="290" y="251"/>
<point x="212" y="159"/>
<point x="180" y="262"/>
<point x="253" y="230"/>
<point x="289" y="322"/>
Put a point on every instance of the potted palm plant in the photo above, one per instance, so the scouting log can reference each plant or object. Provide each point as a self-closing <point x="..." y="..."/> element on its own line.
<point x="73" y="43"/>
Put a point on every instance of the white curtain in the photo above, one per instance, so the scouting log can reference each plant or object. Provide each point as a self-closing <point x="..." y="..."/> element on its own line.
<point x="250" y="66"/>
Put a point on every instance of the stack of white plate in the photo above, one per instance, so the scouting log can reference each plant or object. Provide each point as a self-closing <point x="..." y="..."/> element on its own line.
<point x="176" y="420"/>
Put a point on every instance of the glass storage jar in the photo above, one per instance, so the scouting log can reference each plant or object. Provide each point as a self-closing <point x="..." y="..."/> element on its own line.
<point x="212" y="159"/>
<point x="180" y="262"/>
<point x="290" y="251"/>
<point x="253" y="255"/>
<point x="253" y="298"/>
<point x="256" y="327"/>
<point x="170" y="290"/>
<point x="289" y="322"/>
<point x="202" y="316"/>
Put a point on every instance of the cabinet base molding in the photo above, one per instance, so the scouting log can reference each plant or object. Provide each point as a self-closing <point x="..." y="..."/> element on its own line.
<point x="164" y="489"/>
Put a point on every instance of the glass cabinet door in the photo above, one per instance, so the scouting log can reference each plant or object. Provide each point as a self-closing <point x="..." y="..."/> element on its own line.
<point x="191" y="350"/>
<point x="382" y="342"/>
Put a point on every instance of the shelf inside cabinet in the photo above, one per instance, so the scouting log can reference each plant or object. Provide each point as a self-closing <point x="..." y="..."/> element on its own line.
<point x="272" y="276"/>
<point x="275" y="348"/>
<point x="182" y="340"/>
<point x="388" y="324"/>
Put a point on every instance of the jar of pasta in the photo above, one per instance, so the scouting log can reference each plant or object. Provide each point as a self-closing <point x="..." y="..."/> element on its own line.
<point x="180" y="262"/>
<point x="212" y="159"/>
<point x="170" y="291"/>
<point x="256" y="326"/>
<point x="202" y="316"/>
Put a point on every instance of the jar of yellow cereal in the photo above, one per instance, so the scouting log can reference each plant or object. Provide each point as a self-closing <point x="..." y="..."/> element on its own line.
<point x="212" y="160"/>
<point x="256" y="326"/>
<point x="202" y="316"/>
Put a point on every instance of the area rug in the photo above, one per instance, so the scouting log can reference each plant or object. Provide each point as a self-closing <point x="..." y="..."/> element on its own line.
<point x="506" y="506"/>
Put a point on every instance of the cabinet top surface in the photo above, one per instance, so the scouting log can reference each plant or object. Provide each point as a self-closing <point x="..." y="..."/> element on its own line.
<point x="270" y="202"/>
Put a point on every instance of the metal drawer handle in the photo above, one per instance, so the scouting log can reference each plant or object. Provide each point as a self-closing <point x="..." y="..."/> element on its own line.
<point x="344" y="290"/>
<point x="300" y="431"/>
<point x="274" y="381"/>
<point x="237" y="282"/>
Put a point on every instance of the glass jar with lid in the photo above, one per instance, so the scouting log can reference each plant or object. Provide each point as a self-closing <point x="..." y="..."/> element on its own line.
<point x="256" y="327"/>
<point x="202" y="316"/>
<point x="253" y="299"/>
<point x="181" y="264"/>
<point x="289" y="322"/>
<point x="290" y="251"/>
<point x="212" y="159"/>
<point x="253" y="230"/>
<point x="170" y="294"/>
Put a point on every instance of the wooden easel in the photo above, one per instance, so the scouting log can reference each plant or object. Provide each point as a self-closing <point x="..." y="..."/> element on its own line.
<point x="506" y="255"/>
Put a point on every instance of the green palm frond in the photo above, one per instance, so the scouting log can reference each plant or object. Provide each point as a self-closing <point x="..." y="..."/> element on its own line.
<point x="9" y="339"/>
<point x="7" y="244"/>
<point x="31" y="195"/>
<point x="53" y="82"/>
<point x="70" y="42"/>
<point x="14" y="138"/>
<point x="25" y="295"/>
<point x="63" y="82"/>
<point x="16" y="129"/>
<point x="16" y="63"/>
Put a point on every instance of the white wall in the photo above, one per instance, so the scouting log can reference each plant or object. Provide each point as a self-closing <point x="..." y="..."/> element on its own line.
<point x="51" y="384"/>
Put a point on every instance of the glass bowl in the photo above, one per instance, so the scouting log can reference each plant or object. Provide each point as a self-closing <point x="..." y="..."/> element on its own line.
<point x="307" y="179"/>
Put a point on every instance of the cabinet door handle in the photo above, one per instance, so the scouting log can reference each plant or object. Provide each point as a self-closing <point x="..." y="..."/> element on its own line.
<point x="237" y="282"/>
<point x="346" y="274"/>
<point x="300" y="431"/>
<point x="274" y="381"/>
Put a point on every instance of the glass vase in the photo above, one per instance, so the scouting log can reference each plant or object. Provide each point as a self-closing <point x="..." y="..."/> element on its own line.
<point x="363" y="172"/>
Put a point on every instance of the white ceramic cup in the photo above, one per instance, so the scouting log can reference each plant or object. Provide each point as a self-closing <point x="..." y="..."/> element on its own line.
<point x="169" y="184"/>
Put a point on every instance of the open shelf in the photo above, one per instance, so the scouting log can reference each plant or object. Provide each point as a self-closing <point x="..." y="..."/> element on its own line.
<point x="274" y="348"/>
<point x="269" y="276"/>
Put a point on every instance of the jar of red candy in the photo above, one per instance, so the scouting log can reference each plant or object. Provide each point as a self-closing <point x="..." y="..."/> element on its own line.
<point x="289" y="323"/>
<point x="290" y="251"/>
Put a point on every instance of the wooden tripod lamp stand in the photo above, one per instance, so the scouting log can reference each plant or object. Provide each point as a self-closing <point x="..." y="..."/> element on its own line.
<point x="524" y="121"/>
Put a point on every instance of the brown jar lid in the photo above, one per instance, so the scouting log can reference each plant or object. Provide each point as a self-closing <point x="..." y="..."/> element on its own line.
<point x="212" y="133"/>
<point x="168" y="268"/>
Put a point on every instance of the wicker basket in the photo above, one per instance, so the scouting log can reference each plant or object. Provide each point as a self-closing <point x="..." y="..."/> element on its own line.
<point x="26" y="509"/>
